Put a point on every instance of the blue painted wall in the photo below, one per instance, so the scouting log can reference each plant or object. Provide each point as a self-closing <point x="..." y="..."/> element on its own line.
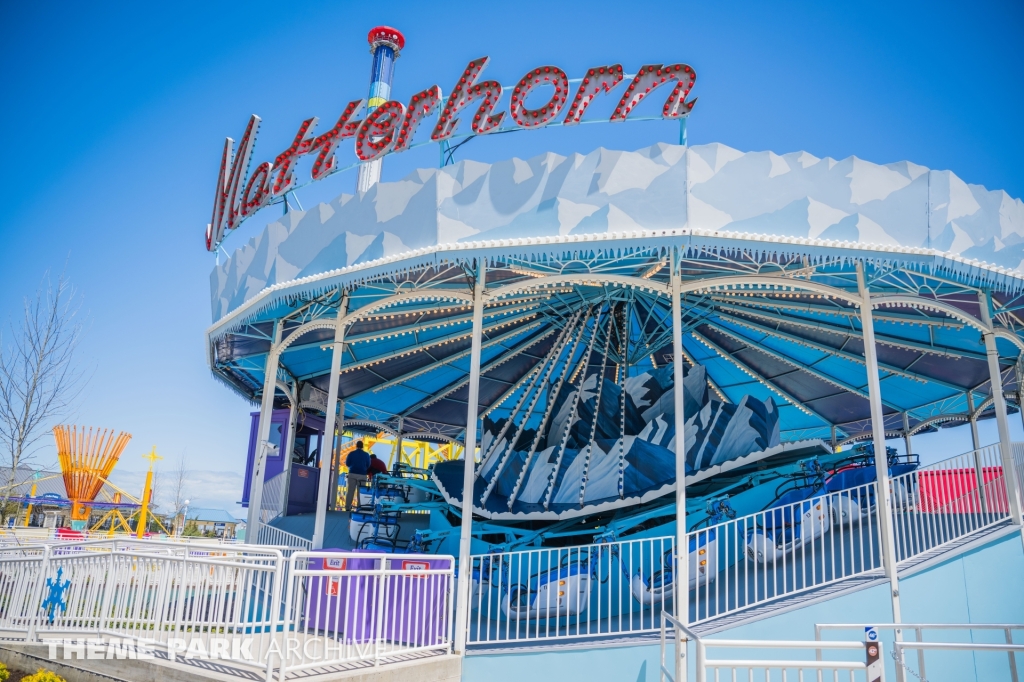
<point x="985" y="585"/>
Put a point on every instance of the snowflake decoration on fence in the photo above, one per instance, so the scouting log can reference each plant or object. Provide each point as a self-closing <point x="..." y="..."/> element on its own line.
<point x="55" y="598"/>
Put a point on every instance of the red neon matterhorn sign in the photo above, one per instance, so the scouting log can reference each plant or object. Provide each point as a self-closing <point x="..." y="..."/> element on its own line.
<point x="390" y="125"/>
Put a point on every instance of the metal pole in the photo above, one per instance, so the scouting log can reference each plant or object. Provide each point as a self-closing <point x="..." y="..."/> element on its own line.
<point x="327" y="444"/>
<point x="398" y="445"/>
<point x="906" y="434"/>
<point x="973" y="419"/>
<point x="979" y="472"/>
<point x="259" y="464"/>
<point x="466" y="537"/>
<point x="332" y="500"/>
<point x="293" y="424"/>
<point x="1019" y="373"/>
<point x="682" y="576"/>
<point x="999" y="403"/>
<point x="882" y="500"/>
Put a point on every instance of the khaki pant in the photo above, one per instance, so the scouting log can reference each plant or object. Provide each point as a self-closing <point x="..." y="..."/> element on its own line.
<point x="352" y="490"/>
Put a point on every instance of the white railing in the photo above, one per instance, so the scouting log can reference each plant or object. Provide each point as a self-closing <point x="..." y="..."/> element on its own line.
<point x="21" y="577"/>
<point x="744" y="668"/>
<point x="918" y="629"/>
<point x="272" y="500"/>
<point x="946" y="501"/>
<point x="280" y="615"/>
<point x="165" y="594"/>
<point x="357" y="606"/>
<point x="1009" y="648"/>
<point x="31" y="536"/>
<point x="624" y="586"/>
<point x="786" y="550"/>
<point x="269" y="535"/>
<point x="681" y="636"/>
<point x="574" y="592"/>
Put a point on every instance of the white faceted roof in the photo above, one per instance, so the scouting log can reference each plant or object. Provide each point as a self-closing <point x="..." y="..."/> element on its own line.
<point x="706" y="187"/>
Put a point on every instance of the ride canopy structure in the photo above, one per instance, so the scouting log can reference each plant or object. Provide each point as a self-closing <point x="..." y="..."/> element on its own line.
<point x="775" y="256"/>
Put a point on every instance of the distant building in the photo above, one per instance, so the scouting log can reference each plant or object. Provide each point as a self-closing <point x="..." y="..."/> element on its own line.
<point x="212" y="521"/>
<point x="40" y="499"/>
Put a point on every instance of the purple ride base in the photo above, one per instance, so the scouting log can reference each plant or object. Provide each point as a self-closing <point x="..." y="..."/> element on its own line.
<point x="343" y="607"/>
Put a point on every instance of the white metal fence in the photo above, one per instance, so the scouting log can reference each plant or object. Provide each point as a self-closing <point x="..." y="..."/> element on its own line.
<point x="943" y="502"/>
<point x="33" y="536"/>
<point x="831" y="535"/>
<point x="272" y="501"/>
<point x="285" y="615"/>
<point x="765" y="668"/>
<point x="1007" y="630"/>
<point x="269" y="535"/>
<point x="571" y="591"/>
<point x="356" y="606"/>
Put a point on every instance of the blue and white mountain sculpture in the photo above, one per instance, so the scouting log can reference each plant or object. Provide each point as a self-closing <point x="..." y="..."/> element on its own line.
<point x="566" y="471"/>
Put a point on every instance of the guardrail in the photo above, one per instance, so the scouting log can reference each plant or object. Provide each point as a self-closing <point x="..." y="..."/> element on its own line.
<point x="21" y="535"/>
<point x="943" y="502"/>
<point x="623" y="587"/>
<point x="918" y="630"/>
<point x="243" y="604"/>
<point x="571" y="592"/>
<point x="681" y="636"/>
<point x="269" y="535"/>
<point x="955" y="646"/>
<point x="854" y="670"/>
<point x="359" y="606"/>
<point x="167" y="594"/>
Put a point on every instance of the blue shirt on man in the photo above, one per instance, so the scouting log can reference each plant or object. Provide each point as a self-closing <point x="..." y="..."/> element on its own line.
<point x="358" y="462"/>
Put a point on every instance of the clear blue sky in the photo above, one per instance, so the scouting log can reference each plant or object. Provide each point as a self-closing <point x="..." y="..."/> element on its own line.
<point x="114" y="115"/>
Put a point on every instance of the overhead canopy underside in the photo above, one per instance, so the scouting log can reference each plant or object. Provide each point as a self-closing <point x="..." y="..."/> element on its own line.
<point x="765" y="325"/>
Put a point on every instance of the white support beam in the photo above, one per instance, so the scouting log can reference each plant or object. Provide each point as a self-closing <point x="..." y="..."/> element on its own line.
<point x="1019" y="374"/>
<point x="882" y="497"/>
<point x="999" y="403"/>
<point x="462" y="601"/>
<point x="973" y="419"/>
<point x="906" y="433"/>
<point x="682" y="575"/>
<point x="289" y="447"/>
<point x="327" y="444"/>
<point x="259" y="468"/>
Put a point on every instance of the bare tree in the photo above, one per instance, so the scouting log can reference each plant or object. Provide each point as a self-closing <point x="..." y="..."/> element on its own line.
<point x="179" y="489"/>
<point x="39" y="380"/>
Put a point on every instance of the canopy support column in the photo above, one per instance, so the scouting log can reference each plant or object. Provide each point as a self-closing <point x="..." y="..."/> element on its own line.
<point x="327" y="445"/>
<point x="293" y="424"/>
<point x="973" y="420"/>
<point x="469" y="473"/>
<point x="1019" y="373"/>
<point x="398" y="446"/>
<point x="999" y="403"/>
<point x="682" y="579"/>
<point x="336" y="463"/>
<point x="882" y="497"/>
<point x="259" y="464"/>
<point x="906" y="433"/>
<point x="979" y="471"/>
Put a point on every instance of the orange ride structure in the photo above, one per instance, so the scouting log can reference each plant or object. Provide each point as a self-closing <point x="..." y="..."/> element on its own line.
<point x="87" y="456"/>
